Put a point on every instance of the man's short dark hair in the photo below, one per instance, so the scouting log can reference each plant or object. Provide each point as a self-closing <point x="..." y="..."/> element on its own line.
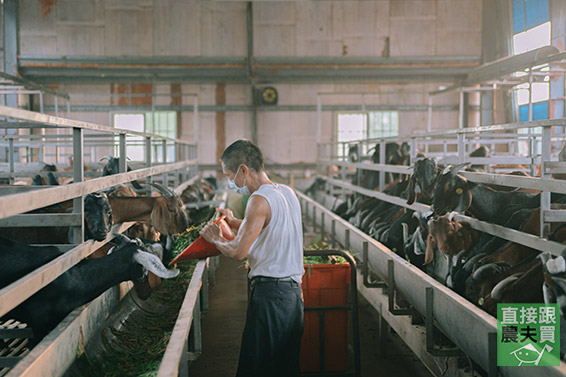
<point x="242" y="151"/>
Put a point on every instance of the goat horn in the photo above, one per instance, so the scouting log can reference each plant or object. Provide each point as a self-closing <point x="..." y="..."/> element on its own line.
<point x="105" y="158"/>
<point x="167" y="193"/>
<point x="497" y="291"/>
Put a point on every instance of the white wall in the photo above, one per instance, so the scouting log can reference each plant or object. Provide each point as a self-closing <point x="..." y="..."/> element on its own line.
<point x="183" y="28"/>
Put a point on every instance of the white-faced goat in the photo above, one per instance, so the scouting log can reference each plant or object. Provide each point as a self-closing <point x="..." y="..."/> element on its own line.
<point x="130" y="260"/>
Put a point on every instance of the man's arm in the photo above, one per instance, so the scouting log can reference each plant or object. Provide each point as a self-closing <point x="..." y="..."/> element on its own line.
<point x="256" y="217"/>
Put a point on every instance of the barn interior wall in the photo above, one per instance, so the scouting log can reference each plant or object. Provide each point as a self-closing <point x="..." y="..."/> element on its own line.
<point x="161" y="28"/>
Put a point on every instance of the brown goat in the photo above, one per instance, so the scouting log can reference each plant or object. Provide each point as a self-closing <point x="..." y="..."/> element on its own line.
<point x="166" y="213"/>
<point x="451" y="237"/>
<point x="524" y="287"/>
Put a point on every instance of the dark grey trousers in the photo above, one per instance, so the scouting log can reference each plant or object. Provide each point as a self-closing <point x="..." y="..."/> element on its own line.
<point x="272" y="335"/>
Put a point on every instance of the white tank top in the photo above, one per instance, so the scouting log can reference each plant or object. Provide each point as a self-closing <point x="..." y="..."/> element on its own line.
<point x="278" y="250"/>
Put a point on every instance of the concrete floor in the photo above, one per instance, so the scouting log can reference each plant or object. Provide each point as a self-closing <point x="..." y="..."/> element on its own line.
<point x="223" y="325"/>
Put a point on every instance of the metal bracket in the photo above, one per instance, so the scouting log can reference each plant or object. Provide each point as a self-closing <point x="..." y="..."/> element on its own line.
<point x="391" y="291"/>
<point x="492" y="354"/>
<point x="365" y="270"/>
<point x="430" y="347"/>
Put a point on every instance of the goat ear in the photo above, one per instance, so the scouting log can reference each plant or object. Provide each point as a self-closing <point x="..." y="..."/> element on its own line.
<point x="411" y="195"/>
<point x="153" y="264"/>
<point x="429" y="254"/>
<point x="160" y="217"/>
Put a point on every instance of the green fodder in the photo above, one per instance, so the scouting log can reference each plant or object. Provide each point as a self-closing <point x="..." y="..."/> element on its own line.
<point x="321" y="259"/>
<point x="136" y="349"/>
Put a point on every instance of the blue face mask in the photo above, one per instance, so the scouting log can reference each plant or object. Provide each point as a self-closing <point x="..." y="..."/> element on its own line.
<point x="238" y="190"/>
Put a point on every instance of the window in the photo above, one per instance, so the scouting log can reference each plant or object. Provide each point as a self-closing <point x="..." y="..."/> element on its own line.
<point x="133" y="122"/>
<point x="532" y="29"/>
<point x="366" y="126"/>
<point x="163" y="123"/>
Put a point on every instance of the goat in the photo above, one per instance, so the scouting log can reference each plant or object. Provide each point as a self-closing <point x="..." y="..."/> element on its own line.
<point x="455" y="193"/>
<point x="425" y="173"/>
<point x="80" y="284"/>
<point x="395" y="154"/>
<point x="113" y="167"/>
<point x="200" y="191"/>
<point x="166" y="213"/>
<point x="511" y="259"/>
<point x="97" y="223"/>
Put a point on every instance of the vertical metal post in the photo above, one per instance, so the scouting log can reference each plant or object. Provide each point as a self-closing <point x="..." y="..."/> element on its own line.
<point x="195" y="120"/>
<point x="78" y="176"/>
<point x="347" y="239"/>
<point x="184" y="158"/>
<point x="314" y="219"/>
<point x="545" y="195"/>
<point x="69" y="109"/>
<point x="176" y="172"/>
<point x="333" y="233"/>
<point x="382" y="162"/>
<point x="531" y="115"/>
<point x="122" y="155"/>
<point x="318" y="119"/>
<point x="461" y="147"/>
<point x="322" y="225"/>
<point x="56" y="106"/>
<point x="492" y="354"/>
<point x="429" y="124"/>
<point x="148" y="159"/>
<point x="11" y="158"/>
<point x="413" y="151"/>
<point x="204" y="289"/>
<point x="461" y="110"/>
<point x="197" y="328"/>
<point x="41" y="130"/>
<point x="164" y="146"/>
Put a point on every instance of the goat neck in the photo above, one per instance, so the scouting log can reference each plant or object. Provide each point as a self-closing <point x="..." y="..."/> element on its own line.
<point x="132" y="209"/>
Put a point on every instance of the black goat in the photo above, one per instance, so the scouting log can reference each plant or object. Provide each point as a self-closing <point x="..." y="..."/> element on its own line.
<point x="130" y="260"/>
<point x="395" y="154"/>
<point x="113" y="167"/>
<point x="425" y="174"/>
<point x="455" y="193"/>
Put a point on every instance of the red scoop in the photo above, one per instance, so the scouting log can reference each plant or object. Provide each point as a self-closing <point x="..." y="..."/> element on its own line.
<point x="201" y="248"/>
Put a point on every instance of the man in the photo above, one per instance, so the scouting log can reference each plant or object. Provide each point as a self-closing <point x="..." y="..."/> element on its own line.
<point x="271" y="237"/>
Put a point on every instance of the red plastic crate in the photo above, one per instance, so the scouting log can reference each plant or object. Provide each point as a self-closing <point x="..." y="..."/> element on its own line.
<point x="325" y="285"/>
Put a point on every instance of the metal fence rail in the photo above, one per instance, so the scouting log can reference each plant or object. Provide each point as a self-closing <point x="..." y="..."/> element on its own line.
<point x="328" y="156"/>
<point x="15" y="201"/>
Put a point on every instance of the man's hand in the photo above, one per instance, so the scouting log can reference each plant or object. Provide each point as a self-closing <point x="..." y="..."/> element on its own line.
<point x="233" y="222"/>
<point x="211" y="233"/>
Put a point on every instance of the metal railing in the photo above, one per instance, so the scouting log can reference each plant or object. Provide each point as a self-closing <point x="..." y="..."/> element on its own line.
<point x="544" y="160"/>
<point x="14" y="203"/>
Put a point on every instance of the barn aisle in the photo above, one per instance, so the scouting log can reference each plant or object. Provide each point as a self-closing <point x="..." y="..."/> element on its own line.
<point x="223" y="325"/>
